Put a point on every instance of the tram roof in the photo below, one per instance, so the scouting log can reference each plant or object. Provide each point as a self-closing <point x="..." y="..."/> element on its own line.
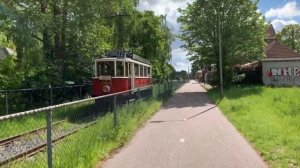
<point x="121" y="59"/>
<point x="124" y="55"/>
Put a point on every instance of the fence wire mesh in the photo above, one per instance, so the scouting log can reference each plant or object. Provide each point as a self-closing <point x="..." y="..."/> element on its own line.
<point x="13" y="101"/>
<point x="21" y="138"/>
<point x="65" y="135"/>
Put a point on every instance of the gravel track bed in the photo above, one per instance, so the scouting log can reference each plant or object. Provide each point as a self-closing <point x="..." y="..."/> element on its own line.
<point x="31" y="141"/>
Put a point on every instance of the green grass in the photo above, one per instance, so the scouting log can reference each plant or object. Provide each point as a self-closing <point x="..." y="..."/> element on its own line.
<point x="85" y="148"/>
<point x="269" y="118"/>
<point x="19" y="125"/>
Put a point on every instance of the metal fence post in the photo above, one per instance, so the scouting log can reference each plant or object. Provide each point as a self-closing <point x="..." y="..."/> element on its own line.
<point x="170" y="88"/>
<point x="80" y="94"/>
<point x="165" y="90"/>
<point x="139" y="94"/>
<point x="31" y="99"/>
<point x="152" y="91"/>
<point x="51" y="95"/>
<point x="158" y="90"/>
<point x="6" y="102"/>
<point x="49" y="138"/>
<point x="115" y="110"/>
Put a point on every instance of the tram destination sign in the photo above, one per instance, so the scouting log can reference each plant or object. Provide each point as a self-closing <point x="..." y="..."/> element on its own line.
<point x="102" y="77"/>
<point x="125" y="54"/>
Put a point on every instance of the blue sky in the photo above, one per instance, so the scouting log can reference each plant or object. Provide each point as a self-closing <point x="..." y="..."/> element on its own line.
<point x="277" y="12"/>
<point x="280" y="12"/>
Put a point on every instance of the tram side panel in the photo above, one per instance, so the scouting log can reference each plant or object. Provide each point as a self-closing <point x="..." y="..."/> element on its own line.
<point x="142" y="82"/>
<point x="102" y="87"/>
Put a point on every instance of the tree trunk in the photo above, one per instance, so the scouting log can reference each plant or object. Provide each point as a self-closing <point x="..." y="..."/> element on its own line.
<point x="58" y="54"/>
<point x="63" y="37"/>
<point x="47" y="49"/>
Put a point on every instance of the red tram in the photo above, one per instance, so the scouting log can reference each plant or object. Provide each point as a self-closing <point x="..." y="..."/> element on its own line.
<point x="120" y="71"/>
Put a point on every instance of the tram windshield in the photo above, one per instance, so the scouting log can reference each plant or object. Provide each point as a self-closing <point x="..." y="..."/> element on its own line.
<point x="105" y="68"/>
<point x="120" y="68"/>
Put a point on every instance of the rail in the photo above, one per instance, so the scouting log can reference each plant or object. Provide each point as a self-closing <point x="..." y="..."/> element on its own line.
<point x="66" y="104"/>
<point x="43" y="137"/>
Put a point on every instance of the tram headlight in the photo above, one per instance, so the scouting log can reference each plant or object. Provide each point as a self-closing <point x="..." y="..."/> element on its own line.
<point x="106" y="89"/>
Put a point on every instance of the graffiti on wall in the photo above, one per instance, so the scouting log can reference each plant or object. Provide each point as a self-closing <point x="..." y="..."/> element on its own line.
<point x="284" y="74"/>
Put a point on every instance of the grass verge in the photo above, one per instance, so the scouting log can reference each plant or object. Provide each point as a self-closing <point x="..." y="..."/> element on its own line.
<point x="85" y="148"/>
<point x="19" y="125"/>
<point x="268" y="117"/>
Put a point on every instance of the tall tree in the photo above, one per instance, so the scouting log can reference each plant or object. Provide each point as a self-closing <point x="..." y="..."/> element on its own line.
<point x="242" y="32"/>
<point x="290" y="36"/>
<point x="151" y="38"/>
<point x="60" y="32"/>
<point x="56" y="40"/>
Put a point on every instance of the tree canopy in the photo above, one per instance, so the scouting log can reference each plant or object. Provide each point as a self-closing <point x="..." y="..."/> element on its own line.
<point x="56" y="40"/>
<point x="242" y="32"/>
<point x="290" y="36"/>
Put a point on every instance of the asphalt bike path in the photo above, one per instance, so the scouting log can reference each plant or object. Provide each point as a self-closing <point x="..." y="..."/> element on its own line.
<point x="189" y="131"/>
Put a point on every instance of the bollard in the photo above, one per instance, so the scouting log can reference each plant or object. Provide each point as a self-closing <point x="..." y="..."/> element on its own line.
<point x="115" y="110"/>
<point x="49" y="138"/>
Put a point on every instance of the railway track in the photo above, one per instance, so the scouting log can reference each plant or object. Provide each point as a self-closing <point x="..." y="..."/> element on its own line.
<point x="33" y="142"/>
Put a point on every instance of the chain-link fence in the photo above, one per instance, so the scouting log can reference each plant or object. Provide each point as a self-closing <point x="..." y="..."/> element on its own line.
<point x="12" y="101"/>
<point x="67" y="135"/>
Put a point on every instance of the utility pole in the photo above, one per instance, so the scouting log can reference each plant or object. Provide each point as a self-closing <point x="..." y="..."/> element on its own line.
<point x="220" y="46"/>
<point x="188" y="74"/>
<point x="220" y="54"/>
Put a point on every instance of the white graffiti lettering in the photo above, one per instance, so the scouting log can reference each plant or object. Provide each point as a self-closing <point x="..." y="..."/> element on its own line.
<point x="296" y="71"/>
<point x="286" y="71"/>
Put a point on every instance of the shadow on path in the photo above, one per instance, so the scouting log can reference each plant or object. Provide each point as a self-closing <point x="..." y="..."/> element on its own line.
<point x="188" y="99"/>
<point x="196" y="115"/>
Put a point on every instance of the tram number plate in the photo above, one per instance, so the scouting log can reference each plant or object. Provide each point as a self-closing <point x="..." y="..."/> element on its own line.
<point x="105" y="77"/>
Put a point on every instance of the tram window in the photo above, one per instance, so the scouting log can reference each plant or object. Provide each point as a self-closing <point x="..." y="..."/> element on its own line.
<point x="98" y="69"/>
<point x="136" y="70"/>
<point x="94" y="69"/>
<point x="149" y="70"/>
<point x="120" y="68"/>
<point x="105" y="68"/>
<point x="141" y="70"/>
<point x="128" y="69"/>
<point x="145" y="71"/>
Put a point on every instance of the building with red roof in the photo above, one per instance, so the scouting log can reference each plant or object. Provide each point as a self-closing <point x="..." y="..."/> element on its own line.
<point x="275" y="49"/>
<point x="281" y="66"/>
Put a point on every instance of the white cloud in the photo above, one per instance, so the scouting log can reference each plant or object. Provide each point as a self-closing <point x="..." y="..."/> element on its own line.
<point x="289" y="10"/>
<point x="169" y="8"/>
<point x="164" y="7"/>
<point x="279" y="24"/>
<point x="179" y="59"/>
